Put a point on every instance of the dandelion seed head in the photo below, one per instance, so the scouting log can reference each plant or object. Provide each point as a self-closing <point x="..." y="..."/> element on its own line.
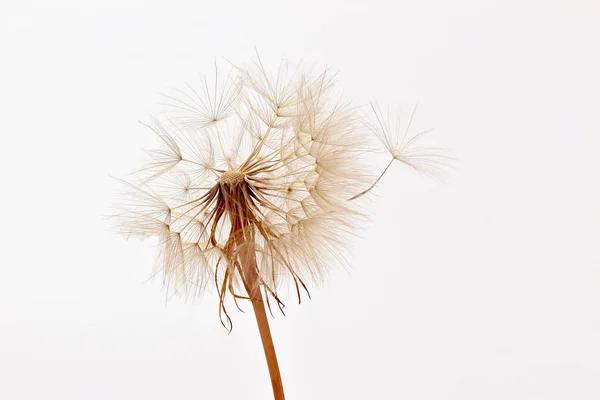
<point x="259" y="161"/>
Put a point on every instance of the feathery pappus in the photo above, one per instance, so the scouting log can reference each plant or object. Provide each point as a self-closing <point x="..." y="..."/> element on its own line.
<point x="255" y="180"/>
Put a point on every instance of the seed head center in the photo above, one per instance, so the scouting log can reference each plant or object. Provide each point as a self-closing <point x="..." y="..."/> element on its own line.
<point x="232" y="177"/>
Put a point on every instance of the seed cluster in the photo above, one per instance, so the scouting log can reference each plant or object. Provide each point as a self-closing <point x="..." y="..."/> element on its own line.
<point x="262" y="168"/>
<point x="231" y="177"/>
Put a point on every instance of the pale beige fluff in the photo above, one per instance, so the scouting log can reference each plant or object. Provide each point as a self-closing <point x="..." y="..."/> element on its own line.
<point x="267" y="161"/>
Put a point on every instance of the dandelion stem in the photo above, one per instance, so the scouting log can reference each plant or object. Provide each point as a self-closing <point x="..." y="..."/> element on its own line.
<point x="251" y="284"/>
<point x="374" y="183"/>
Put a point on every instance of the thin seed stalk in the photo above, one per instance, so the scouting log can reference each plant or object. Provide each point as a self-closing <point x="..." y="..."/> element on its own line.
<point x="250" y="278"/>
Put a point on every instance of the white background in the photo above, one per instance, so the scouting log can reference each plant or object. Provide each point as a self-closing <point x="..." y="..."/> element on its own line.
<point x="484" y="287"/>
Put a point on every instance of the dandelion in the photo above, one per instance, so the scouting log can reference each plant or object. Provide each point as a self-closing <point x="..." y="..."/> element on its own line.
<point x="253" y="188"/>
